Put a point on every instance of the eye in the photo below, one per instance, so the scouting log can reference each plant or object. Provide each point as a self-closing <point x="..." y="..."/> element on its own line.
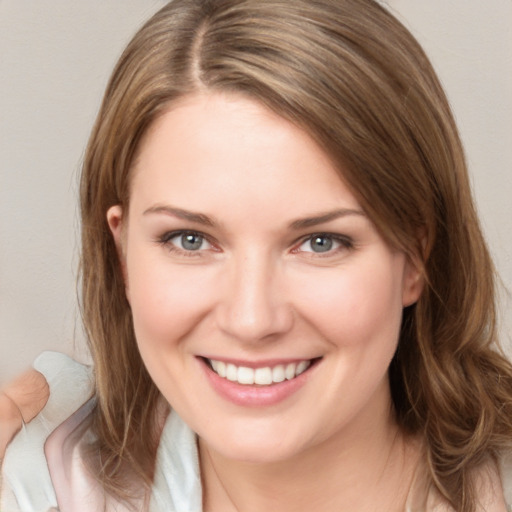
<point x="186" y="241"/>
<point x="324" y="243"/>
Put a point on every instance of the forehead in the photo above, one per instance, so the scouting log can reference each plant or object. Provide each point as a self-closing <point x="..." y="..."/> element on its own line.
<point x="221" y="149"/>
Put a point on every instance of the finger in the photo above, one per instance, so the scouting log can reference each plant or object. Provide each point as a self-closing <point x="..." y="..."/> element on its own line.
<point x="10" y="422"/>
<point x="29" y="392"/>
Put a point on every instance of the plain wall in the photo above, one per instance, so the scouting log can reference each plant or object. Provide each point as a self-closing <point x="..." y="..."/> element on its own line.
<point x="55" y="59"/>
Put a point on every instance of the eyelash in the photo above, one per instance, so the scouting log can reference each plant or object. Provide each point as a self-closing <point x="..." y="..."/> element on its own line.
<point x="165" y="241"/>
<point x="346" y="243"/>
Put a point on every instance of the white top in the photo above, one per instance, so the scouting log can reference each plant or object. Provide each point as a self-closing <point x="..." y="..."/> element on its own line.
<point x="36" y="463"/>
<point x="38" y="466"/>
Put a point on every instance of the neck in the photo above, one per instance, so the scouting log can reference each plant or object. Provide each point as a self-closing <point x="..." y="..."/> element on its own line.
<point x="365" y="467"/>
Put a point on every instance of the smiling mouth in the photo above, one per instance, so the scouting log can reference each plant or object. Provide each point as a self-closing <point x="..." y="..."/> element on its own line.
<point x="264" y="376"/>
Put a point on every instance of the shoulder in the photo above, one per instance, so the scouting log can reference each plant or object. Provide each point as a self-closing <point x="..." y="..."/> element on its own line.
<point x="26" y="483"/>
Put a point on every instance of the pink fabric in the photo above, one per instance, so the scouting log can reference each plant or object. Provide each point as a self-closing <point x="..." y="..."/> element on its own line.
<point x="76" y="489"/>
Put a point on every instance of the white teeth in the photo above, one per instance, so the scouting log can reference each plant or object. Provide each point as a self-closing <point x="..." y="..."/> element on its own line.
<point x="289" y="373"/>
<point x="261" y="376"/>
<point x="278" y="373"/>
<point x="245" y="375"/>
<point x="231" y="372"/>
<point x="302" y="367"/>
<point x="221" y="368"/>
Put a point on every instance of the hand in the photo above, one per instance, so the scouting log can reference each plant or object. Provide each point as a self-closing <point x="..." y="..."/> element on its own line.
<point x="20" y="401"/>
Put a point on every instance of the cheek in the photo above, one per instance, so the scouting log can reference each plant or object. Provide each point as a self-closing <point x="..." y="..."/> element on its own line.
<point x="167" y="301"/>
<point x="354" y="306"/>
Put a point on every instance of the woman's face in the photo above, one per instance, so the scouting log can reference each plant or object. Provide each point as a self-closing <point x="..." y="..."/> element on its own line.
<point x="265" y="304"/>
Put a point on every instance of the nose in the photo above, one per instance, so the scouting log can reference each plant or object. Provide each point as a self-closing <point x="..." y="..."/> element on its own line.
<point x="252" y="306"/>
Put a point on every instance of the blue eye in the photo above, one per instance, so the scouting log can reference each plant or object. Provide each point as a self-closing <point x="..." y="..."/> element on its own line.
<point x="324" y="243"/>
<point x="186" y="241"/>
<point x="191" y="241"/>
<point x="321" y="243"/>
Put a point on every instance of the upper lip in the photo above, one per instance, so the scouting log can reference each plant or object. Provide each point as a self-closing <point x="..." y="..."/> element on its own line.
<point x="260" y="363"/>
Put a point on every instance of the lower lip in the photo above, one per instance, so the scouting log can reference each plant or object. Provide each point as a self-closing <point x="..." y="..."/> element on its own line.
<point x="255" y="396"/>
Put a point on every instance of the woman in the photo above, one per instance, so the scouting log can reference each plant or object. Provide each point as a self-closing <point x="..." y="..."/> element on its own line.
<point x="279" y="244"/>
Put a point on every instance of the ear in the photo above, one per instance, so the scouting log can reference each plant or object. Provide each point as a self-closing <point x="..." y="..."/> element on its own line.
<point x="413" y="281"/>
<point x="118" y="230"/>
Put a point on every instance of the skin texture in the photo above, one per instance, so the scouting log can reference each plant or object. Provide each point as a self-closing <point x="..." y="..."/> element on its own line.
<point x="20" y="401"/>
<point x="256" y="290"/>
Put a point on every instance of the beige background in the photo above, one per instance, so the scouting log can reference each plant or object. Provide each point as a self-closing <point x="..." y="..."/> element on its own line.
<point x="55" y="58"/>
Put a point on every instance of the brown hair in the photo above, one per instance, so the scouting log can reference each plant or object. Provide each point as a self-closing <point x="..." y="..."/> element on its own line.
<point x="357" y="81"/>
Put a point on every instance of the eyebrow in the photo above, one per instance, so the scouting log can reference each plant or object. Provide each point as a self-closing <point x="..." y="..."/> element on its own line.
<point x="321" y="218"/>
<point x="198" y="218"/>
<point x="205" y="220"/>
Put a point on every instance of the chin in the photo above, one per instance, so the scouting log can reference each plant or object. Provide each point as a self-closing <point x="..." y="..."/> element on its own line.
<point x="254" y="446"/>
<point x="257" y="454"/>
